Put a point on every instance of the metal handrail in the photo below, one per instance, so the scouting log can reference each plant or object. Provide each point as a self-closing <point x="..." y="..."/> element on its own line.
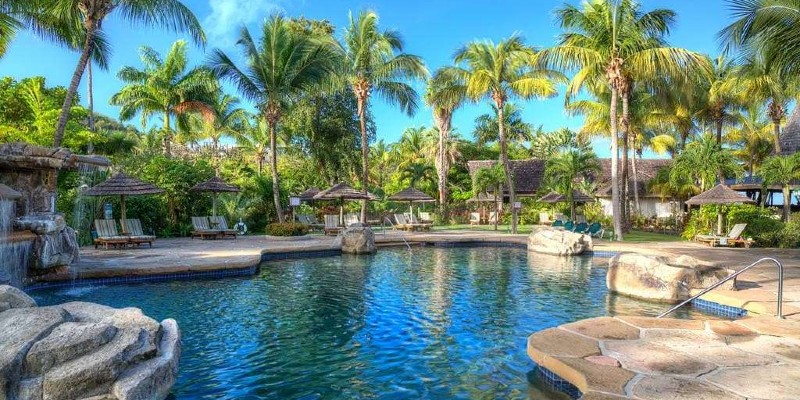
<point x="734" y="275"/>
<point x="394" y="228"/>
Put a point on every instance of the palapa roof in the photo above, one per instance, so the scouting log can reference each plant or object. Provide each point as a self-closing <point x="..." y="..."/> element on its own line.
<point x="411" y="194"/>
<point x="215" y="185"/>
<point x="790" y="137"/>
<point x="719" y="194"/>
<point x="343" y="191"/>
<point x="555" y="197"/>
<point x="122" y="184"/>
<point x="481" y="198"/>
<point x="308" y="194"/>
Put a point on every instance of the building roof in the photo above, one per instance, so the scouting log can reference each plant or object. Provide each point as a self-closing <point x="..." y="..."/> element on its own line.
<point x="790" y="137"/>
<point x="529" y="174"/>
<point x="122" y="184"/>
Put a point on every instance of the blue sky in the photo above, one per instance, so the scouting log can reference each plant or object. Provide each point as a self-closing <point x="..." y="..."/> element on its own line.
<point x="432" y="29"/>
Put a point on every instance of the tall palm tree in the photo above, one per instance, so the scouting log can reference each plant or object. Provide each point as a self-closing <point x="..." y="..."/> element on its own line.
<point x="702" y="161"/>
<point x="164" y="86"/>
<point x="563" y="170"/>
<point x="445" y="94"/>
<point x="223" y="118"/>
<point x="614" y="43"/>
<point x="171" y="14"/>
<point x="281" y="65"/>
<point x="722" y="94"/>
<point x="415" y="144"/>
<point x="374" y="63"/>
<point x="501" y="72"/>
<point x="752" y="138"/>
<point x="487" y="126"/>
<point x="782" y="170"/>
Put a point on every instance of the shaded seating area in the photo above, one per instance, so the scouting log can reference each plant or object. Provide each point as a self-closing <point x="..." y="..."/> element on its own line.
<point x="107" y="234"/>
<point x="220" y="224"/>
<point x="202" y="229"/>
<point x="733" y="238"/>
<point x="311" y="222"/>
<point x="721" y="195"/>
<point x="332" y="225"/>
<point x="136" y="233"/>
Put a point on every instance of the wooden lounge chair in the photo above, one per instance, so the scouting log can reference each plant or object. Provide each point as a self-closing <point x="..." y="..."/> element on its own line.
<point x="402" y="222"/>
<point x="350" y="219"/>
<point x="733" y="238"/>
<point x="202" y="229"/>
<point x="107" y="234"/>
<point x="417" y="224"/>
<point x="425" y="218"/>
<point x="474" y="218"/>
<point x="220" y="223"/>
<point x="310" y="222"/>
<point x="136" y="233"/>
<point x="332" y="225"/>
<point x="492" y="217"/>
<point x="544" y="218"/>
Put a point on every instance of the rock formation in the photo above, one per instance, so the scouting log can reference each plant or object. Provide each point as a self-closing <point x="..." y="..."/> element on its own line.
<point x="548" y="240"/>
<point x="83" y="350"/>
<point x="668" y="279"/>
<point x="358" y="239"/>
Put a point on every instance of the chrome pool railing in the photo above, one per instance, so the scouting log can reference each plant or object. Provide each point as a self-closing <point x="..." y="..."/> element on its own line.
<point x="394" y="228"/>
<point x="732" y="276"/>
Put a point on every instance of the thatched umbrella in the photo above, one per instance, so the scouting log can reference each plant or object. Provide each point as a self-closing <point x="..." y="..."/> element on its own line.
<point x="412" y="196"/>
<point x="719" y="195"/>
<point x="309" y="194"/>
<point x="122" y="185"/>
<point x="342" y="192"/>
<point x="215" y="185"/>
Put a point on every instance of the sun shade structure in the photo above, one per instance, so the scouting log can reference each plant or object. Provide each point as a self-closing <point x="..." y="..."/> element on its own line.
<point x="412" y="196"/>
<point x="215" y="185"/>
<point x="719" y="195"/>
<point x="122" y="185"/>
<point x="342" y="192"/>
<point x="309" y="194"/>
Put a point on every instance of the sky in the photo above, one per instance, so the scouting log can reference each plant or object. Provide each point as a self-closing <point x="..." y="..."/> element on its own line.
<point x="432" y="29"/>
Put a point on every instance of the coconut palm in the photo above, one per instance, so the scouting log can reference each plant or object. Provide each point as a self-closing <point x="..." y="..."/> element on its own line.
<point x="445" y="94"/>
<point x="487" y="127"/>
<point x="254" y="139"/>
<point x="223" y="118"/>
<point x="171" y="14"/>
<point x="564" y="170"/>
<point x="771" y="25"/>
<point x="487" y="178"/>
<point x="500" y="72"/>
<point x="782" y="170"/>
<point x="614" y="43"/>
<point x="281" y="65"/>
<point x="374" y="63"/>
<point x="164" y="86"/>
<point x="702" y="161"/>
<point x="722" y="94"/>
<point x="415" y="144"/>
<point x="418" y="172"/>
<point x="752" y="138"/>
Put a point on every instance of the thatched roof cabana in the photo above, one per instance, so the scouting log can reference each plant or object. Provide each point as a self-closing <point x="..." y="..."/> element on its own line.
<point x="309" y="194"/>
<point x="719" y="194"/>
<point x="122" y="185"/>
<point x="342" y="192"/>
<point x="412" y="195"/>
<point x="215" y="185"/>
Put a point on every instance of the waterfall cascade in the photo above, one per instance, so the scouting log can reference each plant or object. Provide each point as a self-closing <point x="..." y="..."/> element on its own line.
<point x="13" y="252"/>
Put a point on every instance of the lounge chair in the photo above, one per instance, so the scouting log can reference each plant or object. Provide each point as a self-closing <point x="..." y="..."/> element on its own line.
<point x="220" y="223"/>
<point x="474" y="219"/>
<point x="202" y="229"/>
<point x="558" y="224"/>
<point x="580" y="218"/>
<point x="417" y="224"/>
<point x="402" y="222"/>
<point x="569" y="225"/>
<point x="733" y="238"/>
<point x="544" y="218"/>
<point x="581" y="227"/>
<point x="107" y="234"/>
<point x="350" y="219"/>
<point x="492" y="218"/>
<point x="332" y="225"/>
<point x="425" y="218"/>
<point x="596" y="230"/>
<point x="136" y="233"/>
<point x="310" y="221"/>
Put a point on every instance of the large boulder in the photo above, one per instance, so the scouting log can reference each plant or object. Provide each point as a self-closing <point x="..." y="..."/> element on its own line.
<point x="84" y="350"/>
<point x="662" y="278"/>
<point x="358" y="239"/>
<point x="548" y="240"/>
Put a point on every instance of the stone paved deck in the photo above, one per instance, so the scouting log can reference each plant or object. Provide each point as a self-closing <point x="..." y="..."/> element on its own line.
<point x="652" y="359"/>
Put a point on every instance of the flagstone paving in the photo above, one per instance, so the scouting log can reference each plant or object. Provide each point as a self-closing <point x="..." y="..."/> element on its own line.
<point x="645" y="358"/>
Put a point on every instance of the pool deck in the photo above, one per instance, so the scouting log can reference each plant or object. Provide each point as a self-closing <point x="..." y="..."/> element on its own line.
<point x="605" y="358"/>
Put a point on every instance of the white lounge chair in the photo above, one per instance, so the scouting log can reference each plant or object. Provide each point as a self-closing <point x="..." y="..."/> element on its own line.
<point x="332" y="225"/>
<point x="733" y="237"/>
<point x="474" y="218"/>
<point x="492" y="217"/>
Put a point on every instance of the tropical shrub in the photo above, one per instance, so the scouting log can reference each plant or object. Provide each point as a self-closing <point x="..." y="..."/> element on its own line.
<point x="286" y="229"/>
<point x="761" y="224"/>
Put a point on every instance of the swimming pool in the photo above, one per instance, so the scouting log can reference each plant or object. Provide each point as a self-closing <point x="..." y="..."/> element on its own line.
<point x="426" y="323"/>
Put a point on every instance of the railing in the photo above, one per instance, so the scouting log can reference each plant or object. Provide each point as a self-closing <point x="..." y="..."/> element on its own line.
<point x="732" y="276"/>
<point x="394" y="228"/>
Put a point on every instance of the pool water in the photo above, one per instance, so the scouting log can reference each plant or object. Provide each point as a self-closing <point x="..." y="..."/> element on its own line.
<point x="426" y="323"/>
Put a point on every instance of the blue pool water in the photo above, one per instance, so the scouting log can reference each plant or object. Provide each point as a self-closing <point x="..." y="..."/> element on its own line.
<point x="427" y="323"/>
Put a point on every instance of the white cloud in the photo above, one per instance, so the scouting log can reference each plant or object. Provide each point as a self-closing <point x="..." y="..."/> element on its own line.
<point x="227" y="17"/>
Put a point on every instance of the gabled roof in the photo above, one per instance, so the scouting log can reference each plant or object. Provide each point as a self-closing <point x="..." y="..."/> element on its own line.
<point x="528" y="174"/>
<point x="790" y="137"/>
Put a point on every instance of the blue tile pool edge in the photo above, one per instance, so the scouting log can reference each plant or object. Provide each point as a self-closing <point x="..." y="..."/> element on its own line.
<point x="556" y="383"/>
<point x="721" y="310"/>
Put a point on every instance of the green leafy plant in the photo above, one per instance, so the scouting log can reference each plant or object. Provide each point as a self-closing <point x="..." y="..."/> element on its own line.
<point x="286" y="229"/>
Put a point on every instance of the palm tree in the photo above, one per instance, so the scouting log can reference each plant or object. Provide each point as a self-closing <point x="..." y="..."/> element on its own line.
<point x="563" y="170"/>
<point x="487" y="127"/>
<point x="490" y="178"/>
<point x="254" y="138"/>
<point x="752" y="138"/>
<point x="374" y="63"/>
<point x="418" y="172"/>
<point x="444" y="95"/>
<point x="223" y="118"/>
<point x="771" y="25"/>
<point x="770" y="85"/>
<point x="164" y="86"/>
<point x="500" y="72"/>
<point x="415" y="144"/>
<point x="702" y="161"/>
<point x="92" y="13"/>
<point x="722" y="94"/>
<point x="283" y="64"/>
<point x="382" y="158"/>
<point x="614" y="43"/>
<point x="782" y="170"/>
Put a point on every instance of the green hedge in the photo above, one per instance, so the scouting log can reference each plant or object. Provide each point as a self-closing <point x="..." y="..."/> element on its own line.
<point x="762" y="225"/>
<point x="286" y="229"/>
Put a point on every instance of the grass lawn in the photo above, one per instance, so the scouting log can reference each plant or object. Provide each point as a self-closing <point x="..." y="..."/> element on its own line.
<point x="632" y="236"/>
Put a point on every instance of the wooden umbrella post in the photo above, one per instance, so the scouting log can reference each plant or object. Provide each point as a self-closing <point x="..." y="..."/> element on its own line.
<point x="122" y="213"/>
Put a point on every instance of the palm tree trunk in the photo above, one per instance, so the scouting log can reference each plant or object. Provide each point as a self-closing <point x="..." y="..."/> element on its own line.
<point x="167" y="140"/>
<point x="90" y="101"/>
<point x="506" y="166"/>
<point x="787" y="202"/>
<point x="615" y="200"/>
<point x="442" y="164"/>
<point x="496" y="205"/>
<point x="776" y="123"/>
<point x="91" y="31"/>
<point x="718" y="125"/>
<point x="636" y="206"/>
<point x="273" y="164"/>
<point x="364" y="155"/>
<point x="625" y="149"/>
